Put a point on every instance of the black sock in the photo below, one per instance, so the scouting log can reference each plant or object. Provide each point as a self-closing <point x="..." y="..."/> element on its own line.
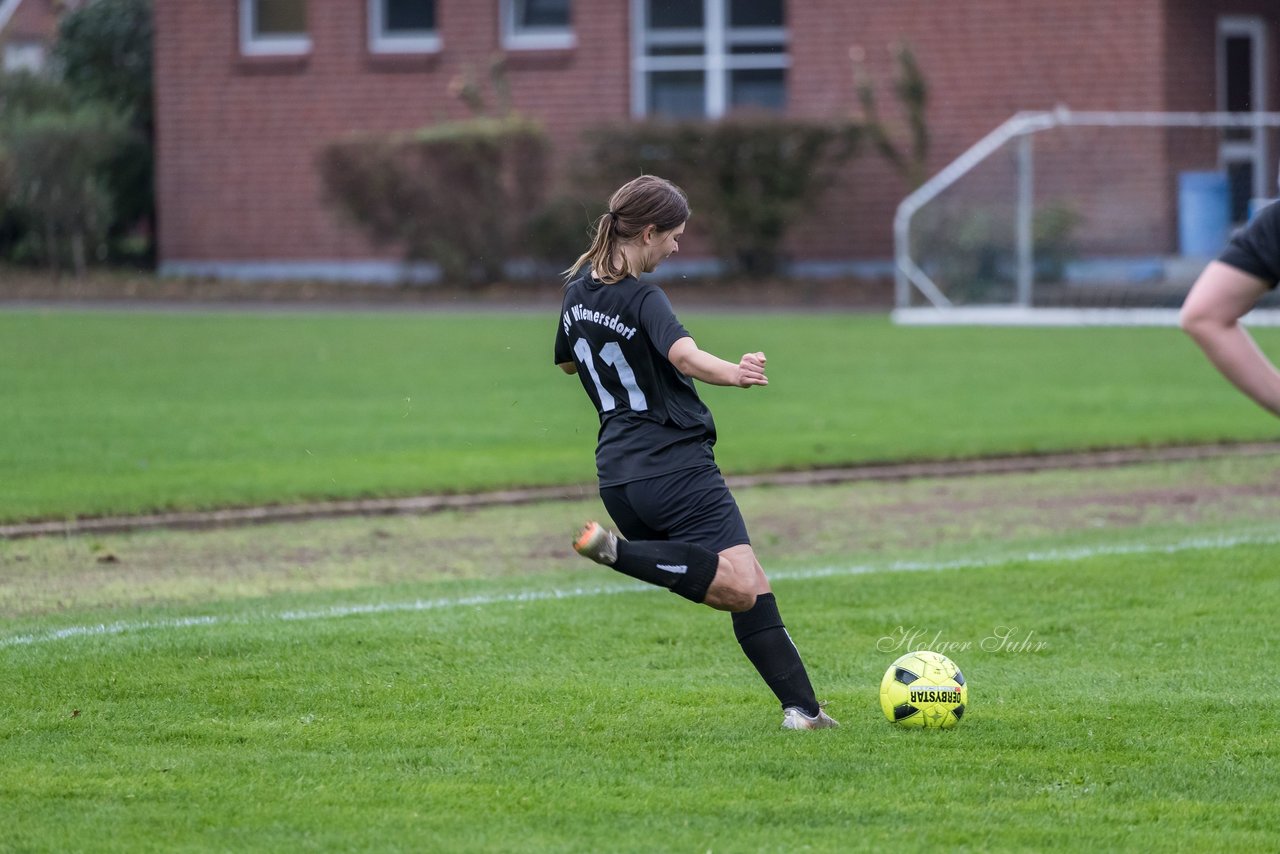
<point x="765" y="641"/>
<point x="682" y="568"/>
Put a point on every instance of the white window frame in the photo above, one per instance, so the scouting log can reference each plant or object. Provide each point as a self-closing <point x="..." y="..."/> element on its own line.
<point x="715" y="61"/>
<point x="416" y="41"/>
<point x="532" y="38"/>
<point x="29" y="56"/>
<point x="1253" y="150"/>
<point x="252" y="44"/>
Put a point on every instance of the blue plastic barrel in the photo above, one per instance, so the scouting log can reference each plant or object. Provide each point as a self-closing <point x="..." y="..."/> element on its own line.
<point x="1204" y="213"/>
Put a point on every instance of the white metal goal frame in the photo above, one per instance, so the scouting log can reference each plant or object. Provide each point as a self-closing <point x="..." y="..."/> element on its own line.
<point x="1019" y="130"/>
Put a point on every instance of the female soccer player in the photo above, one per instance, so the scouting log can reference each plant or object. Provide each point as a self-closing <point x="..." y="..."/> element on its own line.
<point x="1224" y="293"/>
<point x="658" y="476"/>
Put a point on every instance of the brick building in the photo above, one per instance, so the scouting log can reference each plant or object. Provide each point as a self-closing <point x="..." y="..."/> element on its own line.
<point x="246" y="92"/>
<point x="28" y="29"/>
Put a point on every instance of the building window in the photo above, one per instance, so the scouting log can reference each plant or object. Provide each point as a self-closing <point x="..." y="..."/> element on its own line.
<point x="706" y="59"/>
<point x="272" y="27"/>
<point x="24" y="56"/>
<point x="403" y="26"/>
<point x="537" y="24"/>
<point x="1242" y="88"/>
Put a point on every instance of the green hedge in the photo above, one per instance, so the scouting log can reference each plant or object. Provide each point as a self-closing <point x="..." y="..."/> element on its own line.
<point x="460" y="194"/>
<point x="749" y="180"/>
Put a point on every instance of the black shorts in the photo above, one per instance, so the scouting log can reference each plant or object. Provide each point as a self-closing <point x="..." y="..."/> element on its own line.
<point x="686" y="506"/>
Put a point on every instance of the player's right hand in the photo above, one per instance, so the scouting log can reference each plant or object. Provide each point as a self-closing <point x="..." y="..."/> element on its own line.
<point x="751" y="370"/>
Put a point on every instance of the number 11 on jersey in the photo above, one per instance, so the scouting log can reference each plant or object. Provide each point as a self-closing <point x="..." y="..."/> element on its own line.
<point x="611" y="354"/>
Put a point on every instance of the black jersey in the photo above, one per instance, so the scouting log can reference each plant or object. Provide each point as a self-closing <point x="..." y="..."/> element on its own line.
<point x="1255" y="249"/>
<point x="651" y="419"/>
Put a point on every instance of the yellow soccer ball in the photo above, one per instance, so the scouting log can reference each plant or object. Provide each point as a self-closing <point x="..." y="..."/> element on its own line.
<point x="924" y="689"/>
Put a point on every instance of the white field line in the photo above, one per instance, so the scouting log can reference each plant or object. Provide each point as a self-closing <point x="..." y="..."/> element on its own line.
<point x="335" y="611"/>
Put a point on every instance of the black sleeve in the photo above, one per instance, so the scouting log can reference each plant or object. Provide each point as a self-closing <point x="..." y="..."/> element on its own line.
<point x="659" y="322"/>
<point x="1255" y="249"/>
<point x="564" y="348"/>
<point x="564" y="352"/>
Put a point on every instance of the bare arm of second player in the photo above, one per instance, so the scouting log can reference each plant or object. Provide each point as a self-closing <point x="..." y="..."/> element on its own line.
<point x="1211" y="315"/>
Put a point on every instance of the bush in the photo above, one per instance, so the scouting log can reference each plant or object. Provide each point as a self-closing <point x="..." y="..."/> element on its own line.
<point x="970" y="249"/>
<point x="56" y="175"/>
<point x="6" y="190"/>
<point x="78" y="141"/>
<point x="458" y="193"/>
<point x="560" y="230"/>
<point x="22" y="94"/>
<point x="749" y="179"/>
<point x="912" y="93"/>
<point x="104" y="53"/>
<point x="1054" y="235"/>
<point x="30" y="93"/>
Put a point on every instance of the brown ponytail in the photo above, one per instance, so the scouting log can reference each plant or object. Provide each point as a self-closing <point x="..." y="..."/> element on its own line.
<point x="641" y="202"/>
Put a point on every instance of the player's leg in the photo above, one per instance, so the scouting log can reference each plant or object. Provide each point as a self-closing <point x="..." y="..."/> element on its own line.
<point x="674" y="524"/>
<point x="737" y="584"/>
<point x="768" y="646"/>
<point x="685" y="569"/>
<point x="695" y="508"/>
<point x="759" y="627"/>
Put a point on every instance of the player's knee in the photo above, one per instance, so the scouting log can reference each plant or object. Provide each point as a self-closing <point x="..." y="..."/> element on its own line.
<point x="738" y="582"/>
<point x="742" y="600"/>
<point x="724" y="597"/>
<point x="737" y="594"/>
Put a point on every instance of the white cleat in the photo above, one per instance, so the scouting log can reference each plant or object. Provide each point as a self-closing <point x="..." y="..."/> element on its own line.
<point x="794" y="718"/>
<point x="597" y="543"/>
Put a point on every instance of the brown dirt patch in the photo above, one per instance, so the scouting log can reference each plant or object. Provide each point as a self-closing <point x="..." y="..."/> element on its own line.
<point x="792" y="525"/>
<point x="436" y="503"/>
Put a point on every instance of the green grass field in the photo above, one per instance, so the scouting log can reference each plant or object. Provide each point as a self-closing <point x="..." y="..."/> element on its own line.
<point x="120" y="412"/>
<point x="461" y="682"/>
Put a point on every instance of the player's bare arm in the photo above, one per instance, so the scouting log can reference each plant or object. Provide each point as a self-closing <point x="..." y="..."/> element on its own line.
<point x="1211" y="316"/>
<point x="570" y="368"/>
<point x="694" y="362"/>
